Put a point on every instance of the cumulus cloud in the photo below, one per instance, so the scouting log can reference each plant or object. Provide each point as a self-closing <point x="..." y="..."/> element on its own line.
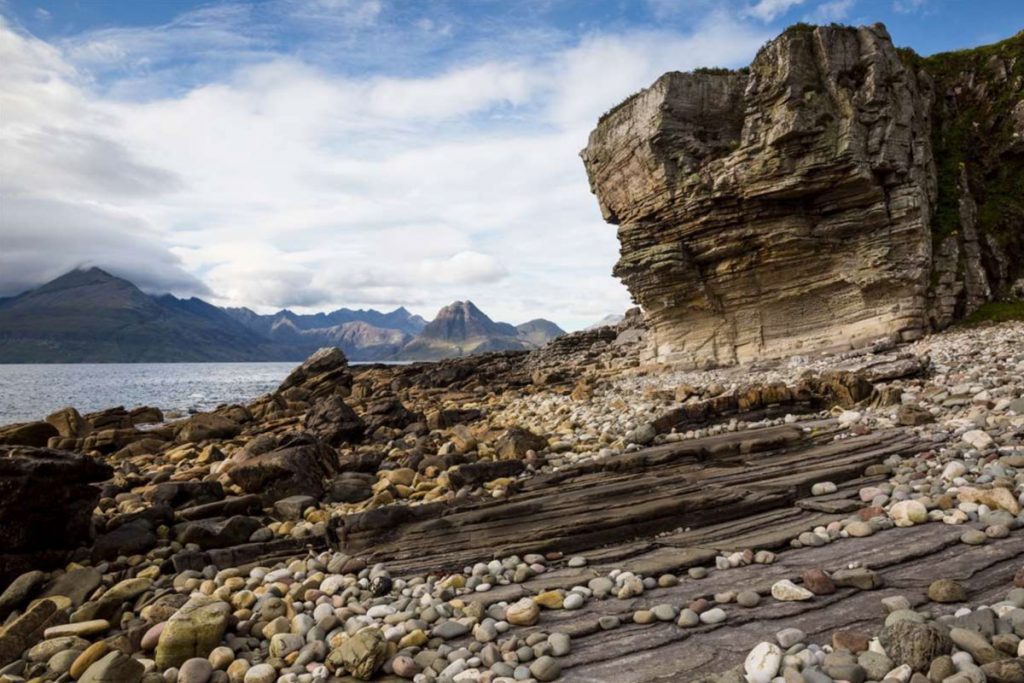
<point x="283" y="182"/>
<point x="465" y="267"/>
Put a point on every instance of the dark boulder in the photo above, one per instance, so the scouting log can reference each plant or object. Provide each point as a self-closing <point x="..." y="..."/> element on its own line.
<point x="325" y="372"/>
<point x="388" y="412"/>
<point x="46" y="504"/>
<point x="297" y="466"/>
<point x="217" y="533"/>
<point x="351" y="487"/>
<point x="236" y="505"/>
<point x="132" y="538"/>
<point x="334" y="422"/>
<point x="180" y="493"/>
<point x="515" y="442"/>
<point x="27" y="434"/>
<point x="477" y="473"/>
<point x="206" y="426"/>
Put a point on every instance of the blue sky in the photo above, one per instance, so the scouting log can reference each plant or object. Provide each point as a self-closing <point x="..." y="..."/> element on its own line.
<point x="319" y="153"/>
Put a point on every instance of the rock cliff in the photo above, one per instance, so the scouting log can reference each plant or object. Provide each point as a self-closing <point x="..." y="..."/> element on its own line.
<point x="799" y="204"/>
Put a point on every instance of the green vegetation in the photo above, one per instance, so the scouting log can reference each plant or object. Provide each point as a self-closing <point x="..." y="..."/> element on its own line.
<point x="996" y="312"/>
<point x="972" y="131"/>
<point x="713" y="70"/>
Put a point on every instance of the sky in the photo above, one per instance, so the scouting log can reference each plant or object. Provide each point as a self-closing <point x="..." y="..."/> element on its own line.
<point x="313" y="154"/>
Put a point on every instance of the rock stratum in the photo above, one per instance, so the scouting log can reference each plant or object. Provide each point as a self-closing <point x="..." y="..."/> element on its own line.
<point x="836" y="192"/>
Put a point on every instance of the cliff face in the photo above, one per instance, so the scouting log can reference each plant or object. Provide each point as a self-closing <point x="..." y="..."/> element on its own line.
<point x="787" y="206"/>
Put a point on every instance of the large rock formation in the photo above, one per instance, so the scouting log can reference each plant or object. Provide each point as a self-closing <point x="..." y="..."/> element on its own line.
<point x="46" y="504"/>
<point x="792" y="205"/>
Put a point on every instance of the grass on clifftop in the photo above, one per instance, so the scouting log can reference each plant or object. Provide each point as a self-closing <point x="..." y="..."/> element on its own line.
<point x="972" y="130"/>
<point x="995" y="312"/>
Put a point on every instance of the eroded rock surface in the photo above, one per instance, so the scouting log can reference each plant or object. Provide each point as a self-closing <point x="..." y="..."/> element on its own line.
<point x="792" y="205"/>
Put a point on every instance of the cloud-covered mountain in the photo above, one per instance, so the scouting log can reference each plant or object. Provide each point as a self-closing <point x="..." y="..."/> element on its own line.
<point x="93" y="316"/>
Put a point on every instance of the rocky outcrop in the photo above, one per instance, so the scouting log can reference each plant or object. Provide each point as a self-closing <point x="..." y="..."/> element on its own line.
<point x="792" y="205"/>
<point x="40" y="530"/>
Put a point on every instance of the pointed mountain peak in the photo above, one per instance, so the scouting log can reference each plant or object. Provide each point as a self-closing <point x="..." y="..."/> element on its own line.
<point x="82" y="277"/>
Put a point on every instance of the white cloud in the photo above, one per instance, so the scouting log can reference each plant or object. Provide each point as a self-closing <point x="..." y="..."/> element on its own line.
<point x="826" y="12"/>
<point x="465" y="267"/>
<point x="284" y="183"/>
<point x="769" y="10"/>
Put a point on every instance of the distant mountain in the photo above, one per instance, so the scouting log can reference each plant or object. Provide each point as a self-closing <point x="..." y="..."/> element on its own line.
<point x="92" y="316"/>
<point x="398" y="319"/>
<point x="607" y="321"/>
<point x="539" y="331"/>
<point x="461" y="328"/>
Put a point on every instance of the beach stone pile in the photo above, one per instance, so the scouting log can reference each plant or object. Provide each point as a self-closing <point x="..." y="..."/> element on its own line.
<point x="969" y="645"/>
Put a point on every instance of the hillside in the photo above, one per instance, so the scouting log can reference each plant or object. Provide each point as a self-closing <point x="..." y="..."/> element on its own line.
<point x="92" y="316"/>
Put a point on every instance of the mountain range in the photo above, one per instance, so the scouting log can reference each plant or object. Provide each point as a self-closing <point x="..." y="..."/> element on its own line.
<point x="93" y="316"/>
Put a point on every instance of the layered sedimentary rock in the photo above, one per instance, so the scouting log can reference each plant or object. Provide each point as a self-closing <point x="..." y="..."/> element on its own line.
<point x="787" y="206"/>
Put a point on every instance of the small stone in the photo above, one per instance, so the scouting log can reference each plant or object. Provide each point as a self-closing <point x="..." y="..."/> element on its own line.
<point x="818" y="582"/>
<point x="859" y="577"/>
<point x="561" y="644"/>
<point x="914" y="644"/>
<point x="823" y="488"/>
<point x="549" y="599"/>
<point x="664" y="612"/>
<point x="578" y="561"/>
<point x="195" y="670"/>
<point x="261" y="673"/>
<point x="763" y="662"/>
<point x="973" y="537"/>
<point x="643" y="616"/>
<point x="362" y="653"/>
<point x="715" y="615"/>
<point x="406" y="667"/>
<point x="545" y="668"/>
<point x="688" y="618"/>
<point x="114" y="667"/>
<point x="82" y="629"/>
<point x="854" y="641"/>
<point x="573" y="601"/>
<point x="524" y="612"/>
<point x="946" y="590"/>
<point x="859" y="529"/>
<point x="908" y="513"/>
<point x="978" y="439"/>
<point x="785" y="590"/>
<point x="976" y="644"/>
<point x="788" y="637"/>
<point x="86" y="659"/>
<point x="748" y="599"/>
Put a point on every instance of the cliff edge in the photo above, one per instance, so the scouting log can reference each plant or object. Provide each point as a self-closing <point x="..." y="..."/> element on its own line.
<point x="836" y="192"/>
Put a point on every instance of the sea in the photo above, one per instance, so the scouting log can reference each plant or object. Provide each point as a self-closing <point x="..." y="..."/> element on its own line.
<point x="31" y="392"/>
